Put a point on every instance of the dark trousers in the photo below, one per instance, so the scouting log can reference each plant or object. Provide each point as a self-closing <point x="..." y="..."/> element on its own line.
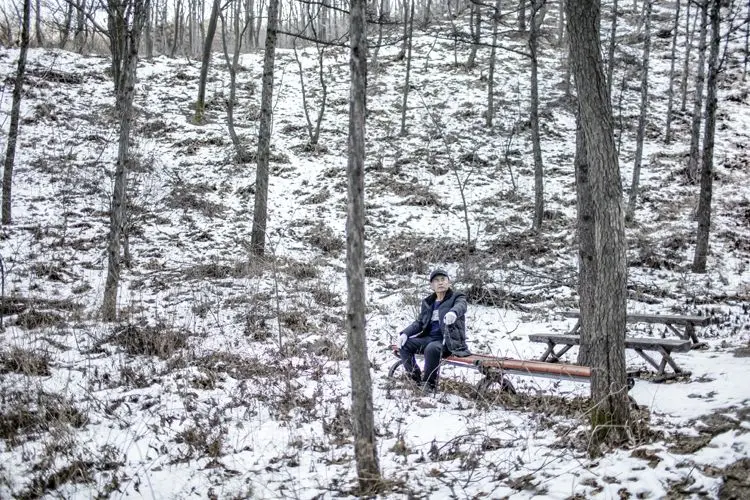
<point x="433" y="351"/>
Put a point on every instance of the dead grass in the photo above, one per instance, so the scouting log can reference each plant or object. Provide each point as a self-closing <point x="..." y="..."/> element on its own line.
<point x="24" y="361"/>
<point x="25" y="414"/>
<point x="160" y="340"/>
<point x="325" y="239"/>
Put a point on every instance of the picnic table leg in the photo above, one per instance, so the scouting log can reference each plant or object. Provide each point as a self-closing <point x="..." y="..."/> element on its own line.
<point x="667" y="358"/>
<point x="576" y="327"/>
<point x="660" y="369"/>
<point x="550" y="350"/>
<point x="690" y="332"/>
<point x="555" y="356"/>
<point x="683" y="336"/>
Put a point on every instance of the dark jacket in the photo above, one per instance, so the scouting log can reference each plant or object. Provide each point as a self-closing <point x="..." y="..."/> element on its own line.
<point x="454" y="335"/>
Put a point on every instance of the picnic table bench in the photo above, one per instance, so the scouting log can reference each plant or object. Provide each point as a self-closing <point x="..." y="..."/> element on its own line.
<point x="672" y="322"/>
<point x="496" y="368"/>
<point x="665" y="347"/>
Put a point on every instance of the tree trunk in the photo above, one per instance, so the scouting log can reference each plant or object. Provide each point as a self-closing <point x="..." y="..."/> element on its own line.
<point x="561" y="25"/>
<point x="79" y="36"/>
<point x="670" y="92"/>
<point x="260" y="213"/>
<point x="125" y="20"/>
<point x="747" y="43"/>
<point x="586" y="244"/>
<point x="381" y="19"/>
<point x="689" y="33"/>
<point x="200" y="104"/>
<point x="633" y="198"/>
<point x="606" y="326"/>
<point x="493" y="60"/>
<point x="476" y="34"/>
<point x="404" y="102"/>
<point x="363" y="426"/>
<point x="534" y="118"/>
<point x="38" y="24"/>
<point x="177" y="23"/>
<point x="704" y="203"/>
<point x="15" y="113"/>
<point x="522" y="15"/>
<point x="695" y="128"/>
<point x="232" y="63"/>
<point x="611" y="49"/>
<point x="67" y="24"/>
<point x="149" y="42"/>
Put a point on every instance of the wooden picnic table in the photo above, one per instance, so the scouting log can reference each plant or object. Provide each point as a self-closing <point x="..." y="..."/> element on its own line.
<point x="664" y="347"/>
<point x="672" y="322"/>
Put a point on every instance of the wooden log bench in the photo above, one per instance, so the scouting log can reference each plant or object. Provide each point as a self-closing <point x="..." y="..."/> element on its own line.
<point x="495" y="370"/>
<point x="682" y="326"/>
<point x="665" y="347"/>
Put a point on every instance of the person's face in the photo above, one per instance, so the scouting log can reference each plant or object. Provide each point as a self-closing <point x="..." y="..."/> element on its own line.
<point x="440" y="284"/>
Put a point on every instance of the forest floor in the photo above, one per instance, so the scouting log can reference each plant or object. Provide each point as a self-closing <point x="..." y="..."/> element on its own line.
<point x="227" y="375"/>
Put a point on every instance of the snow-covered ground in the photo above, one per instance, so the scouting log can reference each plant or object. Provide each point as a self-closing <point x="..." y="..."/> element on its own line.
<point x="228" y="377"/>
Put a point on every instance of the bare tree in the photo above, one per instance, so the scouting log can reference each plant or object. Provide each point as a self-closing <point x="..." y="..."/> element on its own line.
<point x="700" y="77"/>
<point x="125" y="21"/>
<point x="641" y="132"/>
<point x="38" y="23"/>
<point x="673" y="57"/>
<point x="522" y="15"/>
<point x="200" y="103"/>
<point x="365" y="451"/>
<point x="260" y="213"/>
<point x="407" y="84"/>
<point x="232" y="63"/>
<point x="313" y="131"/>
<point x="15" y="113"/>
<point x="704" y="204"/>
<point x="612" y="45"/>
<point x="496" y="16"/>
<point x="536" y="145"/>
<point x="475" y="26"/>
<point x="689" y="33"/>
<point x="606" y="326"/>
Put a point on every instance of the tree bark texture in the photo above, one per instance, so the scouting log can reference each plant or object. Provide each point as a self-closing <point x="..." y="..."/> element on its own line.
<point x="606" y="326"/>
<point x="126" y="21"/>
<point x="587" y="271"/>
<point x="15" y="113"/>
<point x="641" y="132"/>
<point x="700" y="77"/>
<point x="704" y="200"/>
<point x="536" y="143"/>
<point x="260" y="212"/>
<point x="365" y="451"/>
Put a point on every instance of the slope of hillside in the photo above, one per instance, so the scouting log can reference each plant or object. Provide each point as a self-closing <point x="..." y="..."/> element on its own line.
<point x="227" y="376"/>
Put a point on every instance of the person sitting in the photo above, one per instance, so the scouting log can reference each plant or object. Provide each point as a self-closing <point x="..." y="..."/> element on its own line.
<point x="438" y="331"/>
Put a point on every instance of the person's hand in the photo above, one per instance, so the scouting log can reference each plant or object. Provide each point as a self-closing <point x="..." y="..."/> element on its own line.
<point x="402" y="340"/>
<point x="450" y="318"/>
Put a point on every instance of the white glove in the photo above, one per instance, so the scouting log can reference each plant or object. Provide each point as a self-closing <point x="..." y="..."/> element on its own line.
<point x="402" y="340"/>
<point x="450" y="318"/>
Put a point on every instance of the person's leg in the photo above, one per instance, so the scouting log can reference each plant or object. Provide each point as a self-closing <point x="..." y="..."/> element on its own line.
<point x="433" y="353"/>
<point x="411" y="347"/>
